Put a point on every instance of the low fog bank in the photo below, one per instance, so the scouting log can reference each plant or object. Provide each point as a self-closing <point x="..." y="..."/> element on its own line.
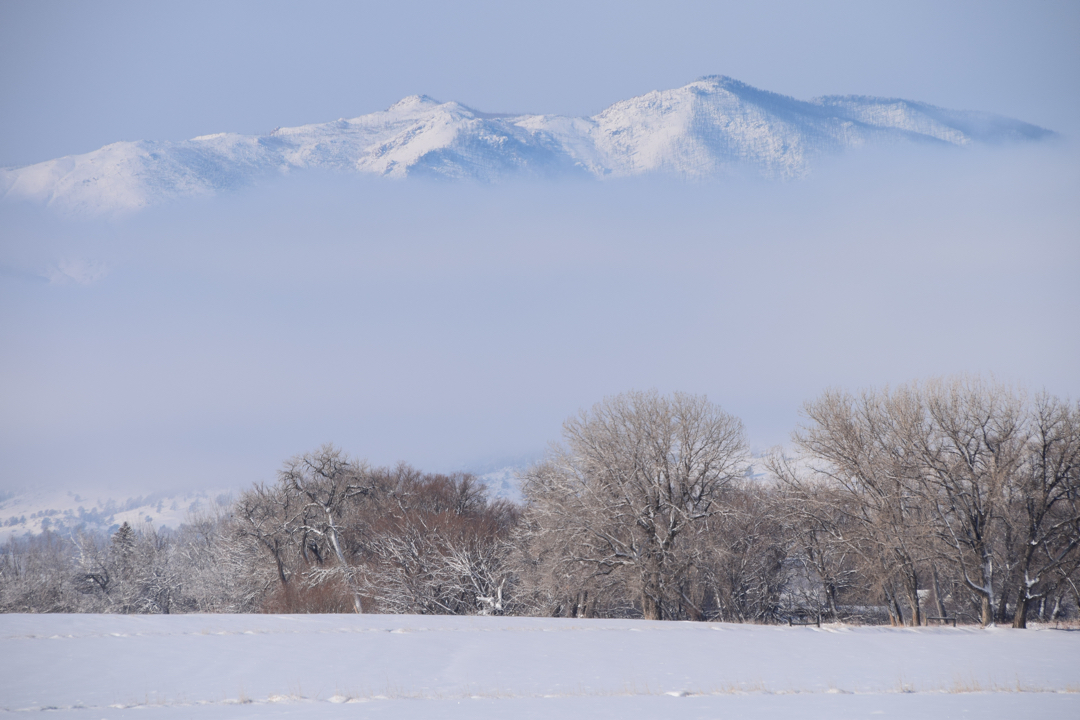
<point x="449" y="326"/>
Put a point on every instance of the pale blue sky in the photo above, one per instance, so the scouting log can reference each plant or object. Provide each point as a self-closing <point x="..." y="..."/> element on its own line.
<point x="77" y="75"/>
<point x="204" y="342"/>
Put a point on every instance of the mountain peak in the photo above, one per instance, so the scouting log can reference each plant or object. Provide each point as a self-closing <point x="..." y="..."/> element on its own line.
<point x="703" y="130"/>
<point x="720" y="81"/>
<point x="414" y="101"/>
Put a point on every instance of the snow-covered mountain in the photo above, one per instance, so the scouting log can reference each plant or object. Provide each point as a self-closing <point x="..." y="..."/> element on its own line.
<point x="702" y="130"/>
<point x="66" y="512"/>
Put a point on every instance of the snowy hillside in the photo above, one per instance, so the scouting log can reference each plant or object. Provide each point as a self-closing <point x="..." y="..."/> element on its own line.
<point x="29" y="513"/>
<point x="504" y="483"/>
<point x="708" y="128"/>
<point x="408" y="666"/>
<point x="64" y="512"/>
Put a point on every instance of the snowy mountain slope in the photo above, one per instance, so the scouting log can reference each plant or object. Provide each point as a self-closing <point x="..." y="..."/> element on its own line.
<point x="707" y="128"/>
<point x="62" y="512"/>
<point x="505" y="483"/>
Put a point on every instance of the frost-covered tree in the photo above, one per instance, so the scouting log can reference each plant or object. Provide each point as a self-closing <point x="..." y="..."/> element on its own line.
<point x="1044" y="505"/>
<point x="858" y="450"/>
<point x="959" y="486"/>
<point x="638" y="476"/>
<point x="971" y="446"/>
<point x="439" y="546"/>
<point x="37" y="574"/>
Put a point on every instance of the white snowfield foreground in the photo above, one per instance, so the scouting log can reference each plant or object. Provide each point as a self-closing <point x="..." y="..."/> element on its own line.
<point x="402" y="666"/>
<point x="705" y="129"/>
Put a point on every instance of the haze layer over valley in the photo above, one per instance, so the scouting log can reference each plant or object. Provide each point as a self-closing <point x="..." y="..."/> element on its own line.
<point x="245" y="315"/>
<point x="202" y="343"/>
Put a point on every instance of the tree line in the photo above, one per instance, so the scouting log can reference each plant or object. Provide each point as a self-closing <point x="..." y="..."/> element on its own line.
<point x="949" y="500"/>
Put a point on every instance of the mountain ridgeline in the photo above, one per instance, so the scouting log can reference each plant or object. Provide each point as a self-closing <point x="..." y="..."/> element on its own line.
<point x="704" y="130"/>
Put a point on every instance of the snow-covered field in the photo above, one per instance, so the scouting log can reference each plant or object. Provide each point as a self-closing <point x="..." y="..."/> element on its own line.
<point x="316" y="666"/>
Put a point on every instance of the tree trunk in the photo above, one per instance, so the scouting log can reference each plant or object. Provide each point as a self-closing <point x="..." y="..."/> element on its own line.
<point x="916" y="608"/>
<point x="1024" y="590"/>
<point x="650" y="597"/>
<point x="581" y="605"/>
<point x="988" y="588"/>
<point x="1020" y="618"/>
<point x="650" y="609"/>
<point x="830" y="599"/>
<point x="651" y="590"/>
<point x="938" y="601"/>
<point x="987" y="610"/>
<point x="896" y="615"/>
<point x="280" y="568"/>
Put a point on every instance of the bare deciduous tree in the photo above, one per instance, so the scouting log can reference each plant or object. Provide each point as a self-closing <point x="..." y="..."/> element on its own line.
<point x="958" y="478"/>
<point x="1044" y="503"/>
<point x="857" y="446"/>
<point x="971" y="448"/>
<point x="638" y="472"/>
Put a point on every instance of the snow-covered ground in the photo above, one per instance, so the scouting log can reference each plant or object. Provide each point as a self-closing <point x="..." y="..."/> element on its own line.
<point x="314" y="666"/>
